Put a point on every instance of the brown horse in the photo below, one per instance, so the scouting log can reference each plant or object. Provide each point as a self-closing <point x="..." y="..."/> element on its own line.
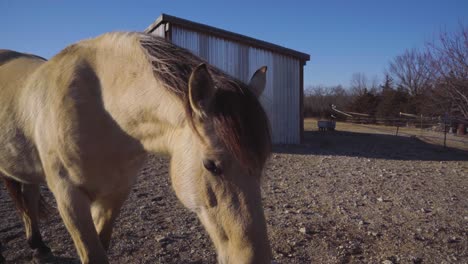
<point x="84" y="121"/>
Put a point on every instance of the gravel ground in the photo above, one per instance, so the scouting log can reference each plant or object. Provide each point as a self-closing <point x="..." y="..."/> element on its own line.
<point x="341" y="197"/>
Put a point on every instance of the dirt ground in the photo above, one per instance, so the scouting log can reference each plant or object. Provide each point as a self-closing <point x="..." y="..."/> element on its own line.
<point x="341" y="197"/>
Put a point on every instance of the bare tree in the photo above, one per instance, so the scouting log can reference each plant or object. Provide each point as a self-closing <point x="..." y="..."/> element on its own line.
<point x="359" y="84"/>
<point x="318" y="100"/>
<point x="411" y="71"/>
<point x="374" y="85"/>
<point x="449" y="60"/>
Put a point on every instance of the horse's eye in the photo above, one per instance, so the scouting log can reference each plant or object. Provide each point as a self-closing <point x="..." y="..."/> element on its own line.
<point x="211" y="166"/>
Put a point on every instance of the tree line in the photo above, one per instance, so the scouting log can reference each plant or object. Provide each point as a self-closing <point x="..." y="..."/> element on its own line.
<point x="432" y="81"/>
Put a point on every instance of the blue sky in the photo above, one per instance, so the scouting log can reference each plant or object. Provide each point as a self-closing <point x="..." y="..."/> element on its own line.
<point x="342" y="37"/>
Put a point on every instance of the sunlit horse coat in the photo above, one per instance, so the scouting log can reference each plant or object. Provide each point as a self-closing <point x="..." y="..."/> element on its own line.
<point x="84" y="121"/>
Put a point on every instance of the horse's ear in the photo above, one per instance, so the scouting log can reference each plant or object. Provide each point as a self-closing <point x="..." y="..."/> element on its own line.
<point x="201" y="90"/>
<point x="258" y="81"/>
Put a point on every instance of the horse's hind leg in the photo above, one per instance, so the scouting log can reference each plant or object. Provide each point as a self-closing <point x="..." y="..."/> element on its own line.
<point x="32" y="199"/>
<point x="2" y="259"/>
<point x="27" y="199"/>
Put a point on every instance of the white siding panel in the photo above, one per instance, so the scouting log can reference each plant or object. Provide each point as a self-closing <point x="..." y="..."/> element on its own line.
<point x="186" y="39"/>
<point x="281" y="97"/>
<point x="159" y="31"/>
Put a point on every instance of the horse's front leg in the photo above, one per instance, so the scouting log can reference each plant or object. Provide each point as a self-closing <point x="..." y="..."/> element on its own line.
<point x="74" y="207"/>
<point x="106" y="207"/>
<point x="104" y="211"/>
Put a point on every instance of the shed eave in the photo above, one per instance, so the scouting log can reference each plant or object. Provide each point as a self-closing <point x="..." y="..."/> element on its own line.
<point x="164" y="18"/>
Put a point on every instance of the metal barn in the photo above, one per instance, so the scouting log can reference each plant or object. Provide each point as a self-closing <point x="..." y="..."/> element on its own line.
<point x="241" y="56"/>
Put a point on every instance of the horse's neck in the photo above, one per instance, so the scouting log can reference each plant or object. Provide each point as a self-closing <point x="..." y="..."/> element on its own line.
<point x="145" y="110"/>
<point x="141" y="106"/>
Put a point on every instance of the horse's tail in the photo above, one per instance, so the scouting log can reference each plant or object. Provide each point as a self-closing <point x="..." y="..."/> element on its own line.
<point x="14" y="189"/>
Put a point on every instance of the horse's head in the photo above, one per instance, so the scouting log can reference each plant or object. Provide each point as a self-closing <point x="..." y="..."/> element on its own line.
<point x="217" y="162"/>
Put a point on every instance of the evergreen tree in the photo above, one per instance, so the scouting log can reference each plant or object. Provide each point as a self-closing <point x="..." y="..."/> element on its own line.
<point x="365" y="103"/>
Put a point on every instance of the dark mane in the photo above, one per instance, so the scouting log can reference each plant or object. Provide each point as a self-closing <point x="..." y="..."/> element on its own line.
<point x="239" y="119"/>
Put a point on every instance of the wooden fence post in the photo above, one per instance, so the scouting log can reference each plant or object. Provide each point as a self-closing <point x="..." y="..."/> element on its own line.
<point x="445" y="132"/>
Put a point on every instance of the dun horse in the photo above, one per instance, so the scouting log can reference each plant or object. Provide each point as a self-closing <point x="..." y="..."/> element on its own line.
<point x="84" y="121"/>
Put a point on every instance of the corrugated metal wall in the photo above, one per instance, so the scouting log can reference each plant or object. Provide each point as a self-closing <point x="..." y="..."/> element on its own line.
<point x="160" y="31"/>
<point x="281" y="97"/>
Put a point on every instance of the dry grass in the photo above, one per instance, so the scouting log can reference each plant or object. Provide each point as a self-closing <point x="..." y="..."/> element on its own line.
<point x="432" y="137"/>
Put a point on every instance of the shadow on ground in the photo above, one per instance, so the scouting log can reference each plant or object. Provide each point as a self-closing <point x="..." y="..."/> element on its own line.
<point x="377" y="146"/>
<point x="57" y="260"/>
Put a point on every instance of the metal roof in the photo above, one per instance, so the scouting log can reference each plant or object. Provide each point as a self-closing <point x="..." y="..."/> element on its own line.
<point x="164" y="18"/>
